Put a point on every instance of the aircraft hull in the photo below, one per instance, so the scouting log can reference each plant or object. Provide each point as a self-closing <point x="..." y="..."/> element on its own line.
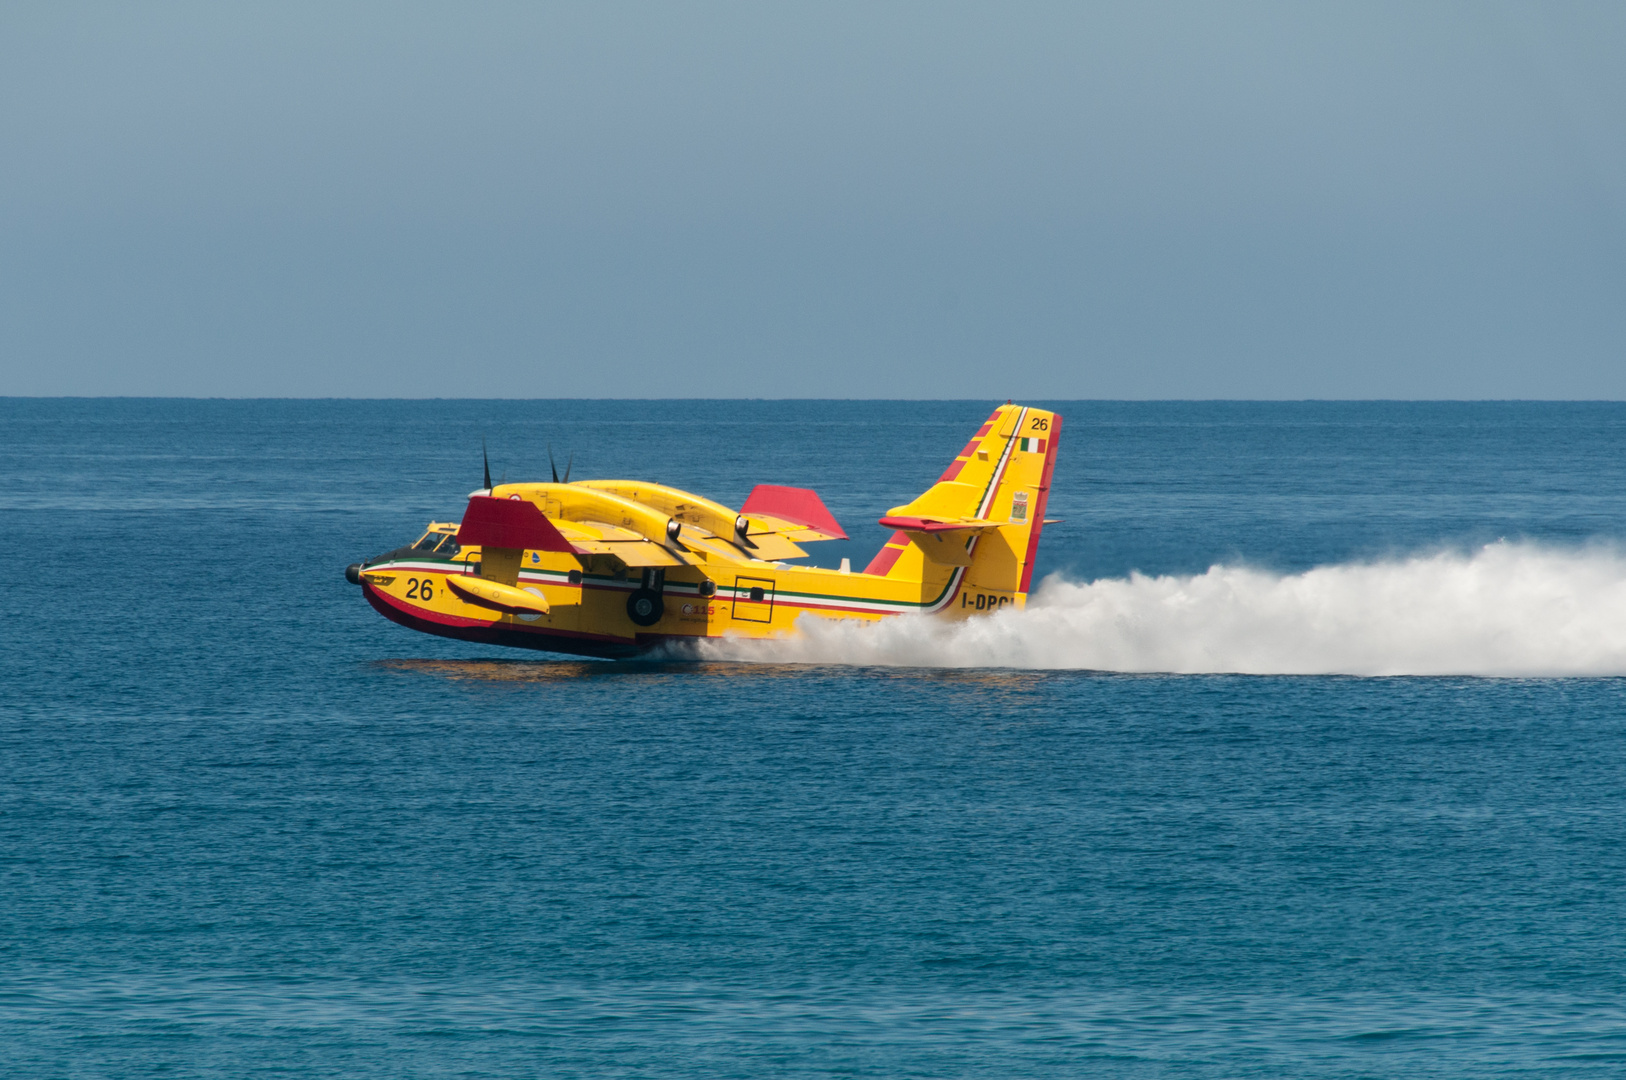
<point x="507" y="636"/>
<point x="589" y="617"/>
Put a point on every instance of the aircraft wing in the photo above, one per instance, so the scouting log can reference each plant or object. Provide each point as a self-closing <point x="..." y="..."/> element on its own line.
<point x="632" y="552"/>
<point x="517" y="523"/>
<point x="797" y="514"/>
<point x="602" y="538"/>
<point x="772" y="546"/>
<point x="508" y="523"/>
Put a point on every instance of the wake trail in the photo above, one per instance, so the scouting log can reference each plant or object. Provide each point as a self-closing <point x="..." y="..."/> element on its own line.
<point x="1507" y="609"/>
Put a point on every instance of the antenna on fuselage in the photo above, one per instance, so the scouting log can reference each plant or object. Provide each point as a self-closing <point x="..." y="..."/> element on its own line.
<point x="568" y="464"/>
<point x="485" y="460"/>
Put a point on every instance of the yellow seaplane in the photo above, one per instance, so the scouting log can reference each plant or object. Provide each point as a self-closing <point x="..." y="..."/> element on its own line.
<point x="614" y="568"/>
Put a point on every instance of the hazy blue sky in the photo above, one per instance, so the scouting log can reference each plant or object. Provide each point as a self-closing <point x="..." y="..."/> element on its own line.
<point x="825" y="200"/>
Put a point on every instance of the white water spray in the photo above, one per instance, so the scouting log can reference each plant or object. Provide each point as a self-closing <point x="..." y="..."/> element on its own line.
<point x="1507" y="609"/>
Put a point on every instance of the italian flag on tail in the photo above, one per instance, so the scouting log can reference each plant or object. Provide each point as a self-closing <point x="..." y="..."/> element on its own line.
<point x="1035" y="446"/>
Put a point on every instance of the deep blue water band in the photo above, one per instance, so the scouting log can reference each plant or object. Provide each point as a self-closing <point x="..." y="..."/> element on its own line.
<point x="248" y="828"/>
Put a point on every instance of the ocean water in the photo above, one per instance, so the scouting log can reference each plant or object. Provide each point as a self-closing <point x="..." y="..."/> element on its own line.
<point x="1308" y="760"/>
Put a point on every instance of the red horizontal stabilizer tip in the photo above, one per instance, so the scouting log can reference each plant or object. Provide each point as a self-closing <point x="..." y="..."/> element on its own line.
<point x="509" y="523"/>
<point x="799" y="505"/>
<point x="914" y="524"/>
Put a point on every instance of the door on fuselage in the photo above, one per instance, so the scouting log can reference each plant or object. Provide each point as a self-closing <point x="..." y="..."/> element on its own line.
<point x="753" y="599"/>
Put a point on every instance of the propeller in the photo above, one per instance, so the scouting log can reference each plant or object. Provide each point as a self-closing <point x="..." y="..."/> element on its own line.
<point x="553" y="467"/>
<point x="485" y="459"/>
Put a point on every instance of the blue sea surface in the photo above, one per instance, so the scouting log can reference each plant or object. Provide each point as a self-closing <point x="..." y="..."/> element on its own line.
<point x="249" y="828"/>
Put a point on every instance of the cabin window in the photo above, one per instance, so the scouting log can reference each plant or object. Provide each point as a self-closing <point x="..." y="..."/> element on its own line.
<point x="445" y="543"/>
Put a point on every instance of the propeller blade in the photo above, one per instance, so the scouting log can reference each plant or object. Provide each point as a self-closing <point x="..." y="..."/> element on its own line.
<point x="485" y="460"/>
<point x="552" y="467"/>
<point x="568" y="464"/>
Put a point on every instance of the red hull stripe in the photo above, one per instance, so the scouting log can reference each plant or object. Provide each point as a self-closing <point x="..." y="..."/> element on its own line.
<point x="504" y="634"/>
<point x="387" y="604"/>
<point x="390" y="608"/>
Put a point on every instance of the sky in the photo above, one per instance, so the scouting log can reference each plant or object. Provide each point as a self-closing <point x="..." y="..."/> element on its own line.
<point x="831" y="200"/>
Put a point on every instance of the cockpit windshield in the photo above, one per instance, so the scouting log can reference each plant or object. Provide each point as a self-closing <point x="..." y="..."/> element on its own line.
<point x="442" y="542"/>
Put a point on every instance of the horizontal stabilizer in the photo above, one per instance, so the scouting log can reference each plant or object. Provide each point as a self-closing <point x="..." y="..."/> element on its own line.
<point x="939" y="525"/>
<point x="798" y="507"/>
<point x="509" y="523"/>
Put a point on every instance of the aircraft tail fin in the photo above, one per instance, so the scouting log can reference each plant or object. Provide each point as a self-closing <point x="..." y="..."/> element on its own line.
<point x="984" y="515"/>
